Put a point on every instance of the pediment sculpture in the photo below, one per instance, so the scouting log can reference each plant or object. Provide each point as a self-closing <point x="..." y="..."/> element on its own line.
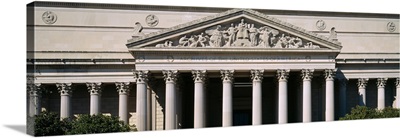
<point x="240" y="34"/>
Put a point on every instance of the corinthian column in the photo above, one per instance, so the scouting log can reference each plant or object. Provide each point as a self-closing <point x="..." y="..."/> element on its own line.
<point x="257" y="77"/>
<point x="123" y="90"/>
<point x="170" y="77"/>
<point x="227" y="79"/>
<point x="329" y="95"/>
<point x="141" y="99"/>
<point x="35" y="92"/>
<point x="199" y="77"/>
<point x="397" y="92"/>
<point x="66" y="92"/>
<point x="307" y="75"/>
<point x="95" y="95"/>
<point x="282" y="75"/>
<point x="362" y="94"/>
<point x="381" y="92"/>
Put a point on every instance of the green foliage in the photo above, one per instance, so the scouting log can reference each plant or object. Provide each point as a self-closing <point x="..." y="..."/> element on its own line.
<point x="89" y="124"/>
<point x="363" y="112"/>
<point x="49" y="124"/>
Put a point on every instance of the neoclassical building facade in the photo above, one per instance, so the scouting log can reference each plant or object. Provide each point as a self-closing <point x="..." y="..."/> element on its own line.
<point x="166" y="67"/>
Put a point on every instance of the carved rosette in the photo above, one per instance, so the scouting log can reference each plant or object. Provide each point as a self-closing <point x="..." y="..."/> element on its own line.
<point x="282" y="74"/>
<point x="330" y="74"/>
<point x="257" y="75"/>
<point x="170" y="76"/>
<point x="397" y="82"/>
<point x="34" y="89"/>
<point x="94" y="88"/>
<point x="227" y="75"/>
<point x="123" y="87"/>
<point x="307" y="74"/>
<point x="362" y="83"/>
<point x="199" y="75"/>
<point x="381" y="82"/>
<point x="64" y="88"/>
<point x="141" y="76"/>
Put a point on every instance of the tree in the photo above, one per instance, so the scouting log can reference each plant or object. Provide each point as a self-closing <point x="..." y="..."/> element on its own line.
<point x="363" y="112"/>
<point x="89" y="124"/>
<point x="49" y="124"/>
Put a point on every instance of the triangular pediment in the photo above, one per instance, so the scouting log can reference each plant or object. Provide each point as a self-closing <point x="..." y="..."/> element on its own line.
<point x="243" y="28"/>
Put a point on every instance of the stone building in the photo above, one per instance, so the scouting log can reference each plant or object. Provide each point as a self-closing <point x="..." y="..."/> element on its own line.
<point x="166" y="67"/>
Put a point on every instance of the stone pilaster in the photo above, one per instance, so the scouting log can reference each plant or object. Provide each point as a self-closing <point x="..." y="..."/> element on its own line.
<point x="141" y="78"/>
<point x="227" y="80"/>
<point x="199" y="77"/>
<point x="362" y="94"/>
<point x="170" y="77"/>
<point x="307" y="75"/>
<point x="65" y="90"/>
<point x="282" y="76"/>
<point x="381" y="82"/>
<point x="329" y="95"/>
<point x="123" y="89"/>
<point x="257" y="77"/>
<point x="35" y="93"/>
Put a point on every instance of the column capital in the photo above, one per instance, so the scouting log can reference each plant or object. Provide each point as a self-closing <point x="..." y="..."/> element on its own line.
<point x="170" y="76"/>
<point x="140" y="76"/>
<point x="199" y="75"/>
<point x="307" y="74"/>
<point x="94" y="88"/>
<point x="330" y="74"/>
<point x="34" y="89"/>
<point x="381" y="82"/>
<point x="123" y="88"/>
<point x="282" y="74"/>
<point x="64" y="88"/>
<point x="397" y="83"/>
<point x="362" y="83"/>
<point x="257" y="75"/>
<point x="227" y="75"/>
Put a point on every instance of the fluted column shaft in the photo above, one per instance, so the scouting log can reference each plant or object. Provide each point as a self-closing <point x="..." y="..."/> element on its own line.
<point x="199" y="77"/>
<point x="227" y="80"/>
<point x="170" y="77"/>
<point x="307" y="75"/>
<point x="283" y="76"/>
<point x="257" y="77"/>
<point x="123" y="90"/>
<point x="141" y="78"/>
<point x="362" y="94"/>
<point x="95" y="97"/>
<point x="66" y="92"/>
<point x="381" y="92"/>
<point x="329" y="95"/>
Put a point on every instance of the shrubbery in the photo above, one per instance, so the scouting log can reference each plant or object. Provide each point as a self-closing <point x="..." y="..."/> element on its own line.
<point x="363" y="112"/>
<point x="49" y="123"/>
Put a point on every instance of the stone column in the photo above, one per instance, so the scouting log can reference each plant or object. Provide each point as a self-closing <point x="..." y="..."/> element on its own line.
<point x="362" y="94"/>
<point x="329" y="94"/>
<point x="66" y="92"/>
<point x="397" y="82"/>
<point x="123" y="90"/>
<point x="35" y="92"/>
<point x="199" y="77"/>
<point x="170" y="77"/>
<point x="227" y="80"/>
<point x="283" y="75"/>
<point x="141" y="78"/>
<point x="257" y="77"/>
<point x="307" y="75"/>
<point x="381" y="92"/>
<point x="95" y="97"/>
<point x="343" y="95"/>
